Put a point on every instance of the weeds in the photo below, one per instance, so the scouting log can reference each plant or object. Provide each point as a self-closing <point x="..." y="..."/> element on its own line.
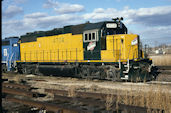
<point x="109" y="101"/>
<point x="93" y="87"/>
<point x="161" y="60"/>
<point x="72" y="91"/>
<point x="156" y="99"/>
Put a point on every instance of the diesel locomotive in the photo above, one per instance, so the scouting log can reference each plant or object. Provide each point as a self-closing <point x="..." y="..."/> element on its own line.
<point x="102" y="50"/>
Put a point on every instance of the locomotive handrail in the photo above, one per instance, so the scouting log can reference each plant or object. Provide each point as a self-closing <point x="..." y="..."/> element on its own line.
<point x="10" y="60"/>
<point x="44" y="55"/>
<point x="64" y="55"/>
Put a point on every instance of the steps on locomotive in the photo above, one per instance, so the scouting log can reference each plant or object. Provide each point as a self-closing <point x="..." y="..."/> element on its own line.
<point x="125" y="72"/>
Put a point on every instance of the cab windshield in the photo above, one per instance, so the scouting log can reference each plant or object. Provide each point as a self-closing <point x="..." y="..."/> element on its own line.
<point x="110" y="31"/>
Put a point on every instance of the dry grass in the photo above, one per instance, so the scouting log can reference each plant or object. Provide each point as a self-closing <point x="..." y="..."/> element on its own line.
<point x="93" y="87"/>
<point x="72" y="91"/>
<point x="161" y="60"/>
<point x="109" y="101"/>
<point x="155" y="98"/>
<point x="19" y="79"/>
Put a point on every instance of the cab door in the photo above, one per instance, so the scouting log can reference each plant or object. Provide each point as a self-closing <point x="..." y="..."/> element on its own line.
<point x="91" y="45"/>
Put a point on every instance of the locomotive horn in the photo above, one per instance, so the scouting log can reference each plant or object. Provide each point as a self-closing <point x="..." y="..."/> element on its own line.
<point x="119" y="19"/>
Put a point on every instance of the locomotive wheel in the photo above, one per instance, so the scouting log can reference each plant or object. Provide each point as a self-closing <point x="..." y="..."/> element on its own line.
<point x="144" y="74"/>
<point x="112" y="76"/>
<point x="24" y="70"/>
<point x="85" y="72"/>
<point x="135" y="75"/>
<point x="102" y="74"/>
<point x="4" y="68"/>
<point x="36" y="71"/>
<point x="89" y="73"/>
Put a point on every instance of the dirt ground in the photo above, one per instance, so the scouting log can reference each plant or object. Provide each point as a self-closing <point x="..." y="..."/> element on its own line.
<point x="146" y="93"/>
<point x="51" y="82"/>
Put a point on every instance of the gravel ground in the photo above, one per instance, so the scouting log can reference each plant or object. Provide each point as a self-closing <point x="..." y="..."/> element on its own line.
<point x="51" y="82"/>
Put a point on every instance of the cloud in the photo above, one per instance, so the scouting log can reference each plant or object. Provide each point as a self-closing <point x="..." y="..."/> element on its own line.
<point x="69" y="8"/>
<point x="36" y="15"/>
<point x="13" y="28"/>
<point x="43" y="20"/>
<point x="19" y="1"/>
<point x="156" y="32"/>
<point x="63" y="8"/>
<point x="100" y="13"/>
<point x="50" y="4"/>
<point x="160" y="16"/>
<point x="152" y="34"/>
<point x="37" y="21"/>
<point x="11" y="11"/>
<point x="157" y="16"/>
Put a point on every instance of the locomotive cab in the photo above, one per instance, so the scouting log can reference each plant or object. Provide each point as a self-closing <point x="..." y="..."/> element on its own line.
<point x="95" y="34"/>
<point x="109" y="42"/>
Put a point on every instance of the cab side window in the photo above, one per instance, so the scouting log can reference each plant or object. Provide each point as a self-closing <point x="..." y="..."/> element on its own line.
<point x="93" y="36"/>
<point x="90" y="36"/>
<point x="85" y="36"/>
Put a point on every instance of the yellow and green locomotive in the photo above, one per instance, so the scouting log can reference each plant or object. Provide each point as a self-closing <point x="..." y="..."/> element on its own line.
<point x="100" y="50"/>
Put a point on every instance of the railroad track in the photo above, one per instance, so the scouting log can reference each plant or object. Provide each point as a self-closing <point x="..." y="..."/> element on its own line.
<point x="18" y="89"/>
<point x="164" y="70"/>
<point x="163" y="74"/>
<point x="69" y="101"/>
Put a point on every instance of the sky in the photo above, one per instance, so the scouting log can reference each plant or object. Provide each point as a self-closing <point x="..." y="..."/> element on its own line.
<point x="150" y="19"/>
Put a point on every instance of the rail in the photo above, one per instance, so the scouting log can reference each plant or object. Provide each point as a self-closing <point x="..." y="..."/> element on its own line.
<point x="47" y="106"/>
<point x="14" y="85"/>
<point x="19" y="92"/>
